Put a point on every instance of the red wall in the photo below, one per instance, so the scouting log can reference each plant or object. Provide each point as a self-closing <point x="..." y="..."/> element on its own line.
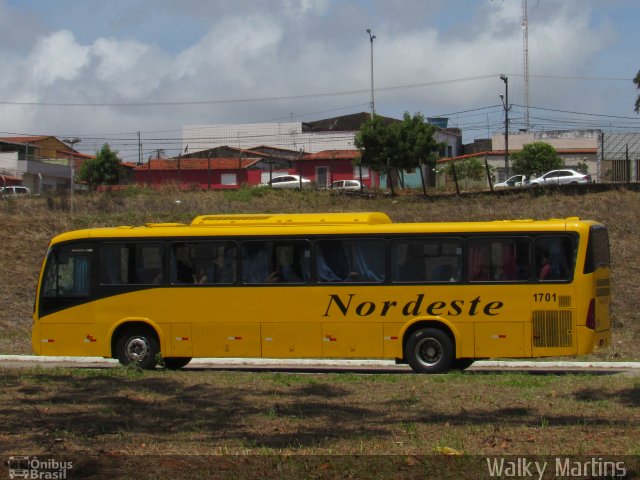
<point x="339" y="169"/>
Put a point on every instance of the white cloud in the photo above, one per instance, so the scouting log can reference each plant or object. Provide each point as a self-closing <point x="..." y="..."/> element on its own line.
<point x="286" y="48"/>
<point x="237" y="52"/>
<point x="119" y="64"/>
<point x="299" y="8"/>
<point x="57" y="56"/>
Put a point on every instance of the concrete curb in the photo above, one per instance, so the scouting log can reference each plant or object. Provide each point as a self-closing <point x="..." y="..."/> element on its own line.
<point x="266" y="362"/>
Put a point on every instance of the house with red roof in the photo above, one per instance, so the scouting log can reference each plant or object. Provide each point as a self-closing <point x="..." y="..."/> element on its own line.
<point x="328" y="166"/>
<point x="228" y="168"/>
<point x="38" y="162"/>
<point x="216" y="168"/>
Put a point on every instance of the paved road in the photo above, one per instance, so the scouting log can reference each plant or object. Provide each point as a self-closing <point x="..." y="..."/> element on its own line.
<point x="322" y="365"/>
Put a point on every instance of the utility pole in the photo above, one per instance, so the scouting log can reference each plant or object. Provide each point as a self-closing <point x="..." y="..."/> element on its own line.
<point x="71" y="142"/>
<point x="525" y="61"/>
<point x="505" y="105"/>
<point x="371" y="38"/>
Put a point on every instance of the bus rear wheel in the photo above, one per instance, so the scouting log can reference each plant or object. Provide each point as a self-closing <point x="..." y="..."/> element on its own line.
<point x="430" y="350"/>
<point x="176" y="363"/>
<point x="138" y="347"/>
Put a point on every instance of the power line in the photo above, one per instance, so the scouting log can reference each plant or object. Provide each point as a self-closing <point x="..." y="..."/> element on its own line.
<point x="243" y="100"/>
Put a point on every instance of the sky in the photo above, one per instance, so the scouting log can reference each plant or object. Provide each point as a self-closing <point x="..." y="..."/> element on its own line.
<point x="103" y="71"/>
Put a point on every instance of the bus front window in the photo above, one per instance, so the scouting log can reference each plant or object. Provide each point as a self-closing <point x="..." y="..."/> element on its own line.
<point x="67" y="275"/>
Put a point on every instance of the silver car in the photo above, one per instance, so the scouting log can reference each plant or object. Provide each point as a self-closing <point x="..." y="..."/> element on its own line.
<point x="346" y="185"/>
<point x="517" y="181"/>
<point x="560" y="177"/>
<point x="14" y="191"/>
<point x="289" y="181"/>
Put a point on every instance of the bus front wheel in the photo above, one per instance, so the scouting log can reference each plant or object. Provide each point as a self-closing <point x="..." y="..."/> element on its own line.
<point x="430" y="350"/>
<point x="138" y="347"/>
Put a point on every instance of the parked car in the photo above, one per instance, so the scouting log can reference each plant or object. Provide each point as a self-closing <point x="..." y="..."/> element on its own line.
<point x="560" y="177"/>
<point x="346" y="185"/>
<point x="288" y="181"/>
<point x="517" y="181"/>
<point x="14" y="191"/>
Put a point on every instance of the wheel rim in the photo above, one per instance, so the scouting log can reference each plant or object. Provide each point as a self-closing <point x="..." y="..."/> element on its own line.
<point x="137" y="349"/>
<point x="429" y="351"/>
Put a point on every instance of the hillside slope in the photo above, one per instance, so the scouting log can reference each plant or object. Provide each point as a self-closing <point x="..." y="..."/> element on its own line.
<point x="26" y="225"/>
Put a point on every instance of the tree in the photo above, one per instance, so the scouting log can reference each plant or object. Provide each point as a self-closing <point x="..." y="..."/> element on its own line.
<point x="417" y="144"/>
<point x="399" y="145"/>
<point x="536" y="158"/>
<point x="467" y="169"/>
<point x="102" y="170"/>
<point x="374" y="142"/>
<point x="637" y="82"/>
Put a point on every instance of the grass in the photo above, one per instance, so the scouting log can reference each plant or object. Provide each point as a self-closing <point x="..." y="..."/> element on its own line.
<point x="121" y="412"/>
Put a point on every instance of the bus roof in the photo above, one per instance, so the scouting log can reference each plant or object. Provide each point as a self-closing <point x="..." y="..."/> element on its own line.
<point x="317" y="223"/>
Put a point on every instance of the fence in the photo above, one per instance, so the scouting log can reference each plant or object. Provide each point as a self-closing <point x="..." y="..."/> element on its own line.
<point x="619" y="157"/>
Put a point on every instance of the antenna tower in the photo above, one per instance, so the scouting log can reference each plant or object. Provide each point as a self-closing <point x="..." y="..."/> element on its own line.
<point x="525" y="61"/>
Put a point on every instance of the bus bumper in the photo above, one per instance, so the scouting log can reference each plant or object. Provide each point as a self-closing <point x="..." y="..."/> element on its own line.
<point x="36" y="344"/>
<point x="601" y="340"/>
<point x="590" y="341"/>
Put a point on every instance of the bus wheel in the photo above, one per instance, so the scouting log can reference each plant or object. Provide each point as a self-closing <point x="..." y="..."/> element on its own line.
<point x="138" y="347"/>
<point x="430" y="350"/>
<point x="176" y="363"/>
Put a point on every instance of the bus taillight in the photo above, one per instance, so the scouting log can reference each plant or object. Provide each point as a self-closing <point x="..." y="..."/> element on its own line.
<point x="591" y="315"/>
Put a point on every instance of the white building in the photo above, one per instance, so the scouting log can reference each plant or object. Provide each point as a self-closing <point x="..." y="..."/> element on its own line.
<point x="288" y="135"/>
<point x="336" y="133"/>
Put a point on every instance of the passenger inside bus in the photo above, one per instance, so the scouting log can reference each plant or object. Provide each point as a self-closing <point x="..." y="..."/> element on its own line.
<point x="286" y="270"/>
<point x="545" y="270"/>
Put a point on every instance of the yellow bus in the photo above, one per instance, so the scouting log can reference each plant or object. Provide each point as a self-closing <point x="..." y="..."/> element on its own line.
<point x="337" y="285"/>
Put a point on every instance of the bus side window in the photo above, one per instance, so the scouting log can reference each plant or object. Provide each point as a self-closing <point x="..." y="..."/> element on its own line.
<point x="479" y="260"/>
<point x="426" y="260"/>
<point x="226" y="262"/>
<point x="554" y="258"/>
<point x="290" y="262"/>
<point x="182" y="265"/>
<point x="255" y="262"/>
<point x="203" y="263"/>
<point x="407" y="261"/>
<point x="126" y="264"/>
<point x="352" y="261"/>
<point x="332" y="264"/>
<point x="499" y="259"/>
<point x="149" y="265"/>
<point x="284" y="261"/>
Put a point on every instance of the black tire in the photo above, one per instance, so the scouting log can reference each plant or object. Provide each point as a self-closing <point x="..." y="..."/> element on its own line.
<point x="430" y="350"/>
<point x="463" y="363"/>
<point x="138" y="346"/>
<point x="176" y="363"/>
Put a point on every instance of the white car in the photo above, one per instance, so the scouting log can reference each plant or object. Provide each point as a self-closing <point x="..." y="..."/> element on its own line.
<point x="14" y="191"/>
<point x="560" y="177"/>
<point x="289" y="181"/>
<point x="346" y="185"/>
<point x="517" y="181"/>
